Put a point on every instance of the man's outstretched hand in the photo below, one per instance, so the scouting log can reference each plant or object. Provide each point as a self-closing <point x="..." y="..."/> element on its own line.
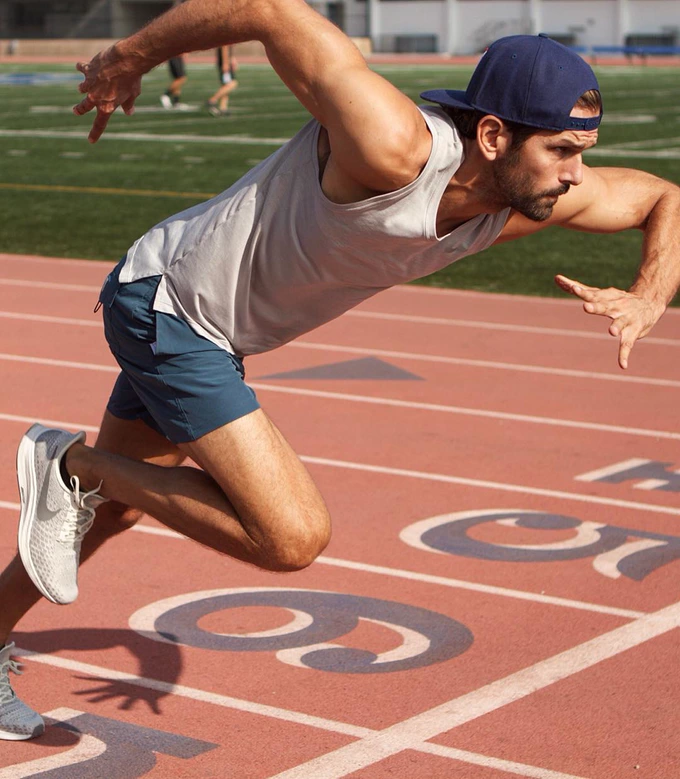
<point x="108" y="84"/>
<point x="632" y="315"/>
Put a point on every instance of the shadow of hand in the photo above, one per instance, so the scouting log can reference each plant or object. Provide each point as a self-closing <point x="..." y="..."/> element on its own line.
<point x="129" y="694"/>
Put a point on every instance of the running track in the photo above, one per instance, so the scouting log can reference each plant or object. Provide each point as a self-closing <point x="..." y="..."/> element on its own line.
<point x="500" y="596"/>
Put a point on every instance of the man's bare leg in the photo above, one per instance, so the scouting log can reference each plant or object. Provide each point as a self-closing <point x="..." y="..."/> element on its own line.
<point x="273" y="517"/>
<point x="129" y="439"/>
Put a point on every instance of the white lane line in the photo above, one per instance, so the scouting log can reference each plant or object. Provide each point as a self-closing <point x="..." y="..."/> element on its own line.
<point x="203" y="696"/>
<point x="472" y="412"/>
<point x="484" y="588"/>
<point x="60" y="423"/>
<point x="382" y="401"/>
<point x="410" y="289"/>
<point x="610" y="470"/>
<point x="502" y="326"/>
<point x="399" y="573"/>
<point x="419" y="357"/>
<point x="416" y="730"/>
<point x="86" y="366"/>
<point x="55" y="320"/>
<point x="442" y="581"/>
<point x="492" y="485"/>
<point x="52" y="285"/>
<point x="509" y="766"/>
<point x="431" y="476"/>
<point x="287" y="715"/>
<point x="521" y="300"/>
<point x="23" y="259"/>
<point x="495" y="364"/>
<point x="427" y="475"/>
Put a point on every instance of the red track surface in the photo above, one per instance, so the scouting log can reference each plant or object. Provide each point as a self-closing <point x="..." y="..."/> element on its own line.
<point x="546" y="651"/>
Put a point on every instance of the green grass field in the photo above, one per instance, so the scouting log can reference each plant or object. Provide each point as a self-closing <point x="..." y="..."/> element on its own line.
<point x="61" y="196"/>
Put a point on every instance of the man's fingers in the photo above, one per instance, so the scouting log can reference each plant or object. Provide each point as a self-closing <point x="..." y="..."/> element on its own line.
<point x="568" y="285"/>
<point x="129" y="106"/>
<point x="85" y="105"/>
<point x="629" y="334"/>
<point x="576" y="288"/>
<point x="624" y="352"/>
<point x="596" y="305"/>
<point x="99" y="125"/>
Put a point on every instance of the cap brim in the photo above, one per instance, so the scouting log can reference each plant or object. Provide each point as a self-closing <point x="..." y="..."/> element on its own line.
<point x="452" y="97"/>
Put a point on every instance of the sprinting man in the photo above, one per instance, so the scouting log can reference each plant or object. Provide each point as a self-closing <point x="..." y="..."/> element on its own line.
<point x="218" y="104"/>
<point x="372" y="192"/>
<point x="171" y="98"/>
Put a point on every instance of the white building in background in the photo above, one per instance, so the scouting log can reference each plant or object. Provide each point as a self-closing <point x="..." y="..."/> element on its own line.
<point x="445" y="26"/>
<point x="468" y="26"/>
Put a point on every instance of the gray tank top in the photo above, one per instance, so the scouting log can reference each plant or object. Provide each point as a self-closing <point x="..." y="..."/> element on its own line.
<point x="272" y="257"/>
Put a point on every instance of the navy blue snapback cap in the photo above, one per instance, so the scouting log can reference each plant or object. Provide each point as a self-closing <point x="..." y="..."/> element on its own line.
<point x="528" y="79"/>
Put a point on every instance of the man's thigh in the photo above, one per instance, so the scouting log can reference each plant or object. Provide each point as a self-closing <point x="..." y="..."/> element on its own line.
<point x="136" y="440"/>
<point x="265" y="481"/>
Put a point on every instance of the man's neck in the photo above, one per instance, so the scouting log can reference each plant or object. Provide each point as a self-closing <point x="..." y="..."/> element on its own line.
<point x="469" y="193"/>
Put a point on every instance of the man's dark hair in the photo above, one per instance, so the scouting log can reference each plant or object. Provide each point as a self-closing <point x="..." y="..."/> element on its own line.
<point x="466" y="121"/>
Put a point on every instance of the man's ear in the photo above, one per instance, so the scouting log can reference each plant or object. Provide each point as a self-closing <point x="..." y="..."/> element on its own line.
<point x="493" y="137"/>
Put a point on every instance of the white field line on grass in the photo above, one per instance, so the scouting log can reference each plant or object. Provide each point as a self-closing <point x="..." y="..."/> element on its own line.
<point x="417" y="730"/>
<point x="286" y="715"/>
<point x="247" y="140"/>
<point x="419" y="357"/>
<point x="665" y="154"/>
<point x="383" y="401"/>
<point x="645" y="143"/>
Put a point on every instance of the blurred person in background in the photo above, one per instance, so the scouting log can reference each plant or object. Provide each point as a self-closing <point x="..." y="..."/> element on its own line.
<point x="170" y="99"/>
<point x="218" y="104"/>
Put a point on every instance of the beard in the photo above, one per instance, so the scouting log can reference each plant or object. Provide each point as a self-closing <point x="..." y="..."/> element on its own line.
<point x="514" y="187"/>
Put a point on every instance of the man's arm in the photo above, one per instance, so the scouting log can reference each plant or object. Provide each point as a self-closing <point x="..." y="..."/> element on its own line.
<point x="378" y="137"/>
<point x="608" y="201"/>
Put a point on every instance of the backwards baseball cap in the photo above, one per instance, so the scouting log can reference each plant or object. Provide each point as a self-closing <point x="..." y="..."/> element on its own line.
<point x="528" y="79"/>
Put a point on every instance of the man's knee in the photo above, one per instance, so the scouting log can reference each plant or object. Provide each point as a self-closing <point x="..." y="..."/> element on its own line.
<point x="298" y="545"/>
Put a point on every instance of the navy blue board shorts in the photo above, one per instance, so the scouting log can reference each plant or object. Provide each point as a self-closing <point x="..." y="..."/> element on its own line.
<point x="177" y="382"/>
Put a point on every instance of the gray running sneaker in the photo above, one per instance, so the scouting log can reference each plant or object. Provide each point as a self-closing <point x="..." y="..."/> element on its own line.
<point x="54" y="516"/>
<point x="17" y="720"/>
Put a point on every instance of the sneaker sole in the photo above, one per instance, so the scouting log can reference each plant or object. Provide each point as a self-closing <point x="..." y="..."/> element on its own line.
<point x="28" y="489"/>
<point x="7" y="736"/>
